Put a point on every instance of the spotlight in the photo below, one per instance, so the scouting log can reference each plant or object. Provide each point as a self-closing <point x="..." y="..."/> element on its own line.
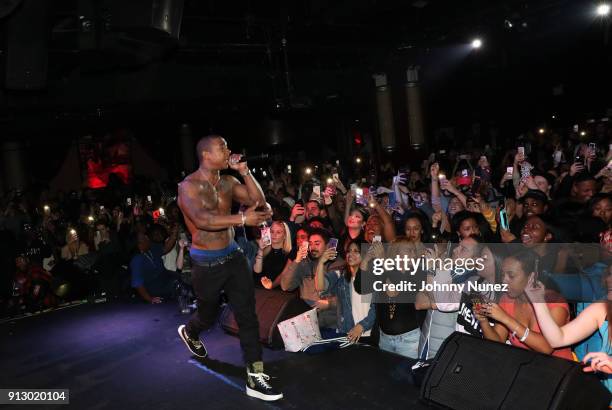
<point x="603" y="9"/>
<point x="476" y="43"/>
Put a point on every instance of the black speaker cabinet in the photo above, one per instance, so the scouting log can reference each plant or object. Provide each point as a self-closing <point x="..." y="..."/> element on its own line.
<point x="471" y="373"/>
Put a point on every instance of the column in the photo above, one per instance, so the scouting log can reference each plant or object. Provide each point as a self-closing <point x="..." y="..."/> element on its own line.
<point x="15" y="176"/>
<point x="416" y="130"/>
<point x="385" y="112"/>
<point x="188" y="155"/>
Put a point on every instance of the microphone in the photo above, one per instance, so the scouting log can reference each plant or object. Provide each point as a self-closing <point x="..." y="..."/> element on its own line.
<point x="258" y="157"/>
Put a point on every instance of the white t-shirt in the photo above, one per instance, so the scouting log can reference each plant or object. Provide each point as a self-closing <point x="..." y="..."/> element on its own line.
<point x="360" y="305"/>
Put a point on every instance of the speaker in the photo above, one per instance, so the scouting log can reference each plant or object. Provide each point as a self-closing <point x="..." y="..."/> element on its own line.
<point x="27" y="35"/>
<point x="272" y="307"/>
<point x="472" y="373"/>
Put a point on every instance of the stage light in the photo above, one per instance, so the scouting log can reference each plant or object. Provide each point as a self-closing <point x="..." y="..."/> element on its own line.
<point x="541" y="130"/>
<point x="603" y="9"/>
<point x="358" y="160"/>
<point x="476" y="43"/>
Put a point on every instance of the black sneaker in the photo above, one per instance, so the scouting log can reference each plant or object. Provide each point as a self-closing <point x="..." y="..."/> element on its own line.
<point x="258" y="384"/>
<point x="195" y="346"/>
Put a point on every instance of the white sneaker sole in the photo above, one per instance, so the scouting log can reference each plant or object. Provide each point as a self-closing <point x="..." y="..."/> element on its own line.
<point x="180" y="332"/>
<point x="258" y="395"/>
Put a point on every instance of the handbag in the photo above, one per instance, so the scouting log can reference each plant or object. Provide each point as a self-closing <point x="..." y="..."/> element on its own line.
<point x="300" y="331"/>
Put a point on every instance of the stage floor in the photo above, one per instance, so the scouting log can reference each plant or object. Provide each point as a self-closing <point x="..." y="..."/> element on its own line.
<point x="129" y="356"/>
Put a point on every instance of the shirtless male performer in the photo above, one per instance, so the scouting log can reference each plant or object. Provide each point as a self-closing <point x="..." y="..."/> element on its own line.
<point x="205" y="198"/>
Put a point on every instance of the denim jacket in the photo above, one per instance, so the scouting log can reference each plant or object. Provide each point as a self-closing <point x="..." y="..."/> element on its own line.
<point x="335" y="284"/>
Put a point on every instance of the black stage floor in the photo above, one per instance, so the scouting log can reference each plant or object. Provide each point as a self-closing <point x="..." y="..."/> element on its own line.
<point x="129" y="356"/>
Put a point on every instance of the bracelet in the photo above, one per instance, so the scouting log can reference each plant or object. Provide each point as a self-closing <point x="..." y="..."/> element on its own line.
<point x="522" y="339"/>
<point x="246" y="173"/>
<point x="243" y="218"/>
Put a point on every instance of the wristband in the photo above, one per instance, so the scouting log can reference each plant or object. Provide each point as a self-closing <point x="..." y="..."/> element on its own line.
<point x="522" y="339"/>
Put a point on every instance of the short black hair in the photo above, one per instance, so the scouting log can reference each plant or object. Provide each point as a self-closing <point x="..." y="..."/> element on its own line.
<point x="318" y="231"/>
<point x="584" y="176"/>
<point x="204" y="144"/>
<point x="316" y="202"/>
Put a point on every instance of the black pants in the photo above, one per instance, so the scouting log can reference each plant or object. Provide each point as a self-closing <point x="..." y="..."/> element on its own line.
<point x="236" y="279"/>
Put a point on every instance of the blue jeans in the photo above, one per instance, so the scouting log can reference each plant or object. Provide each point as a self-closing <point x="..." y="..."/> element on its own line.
<point x="405" y="344"/>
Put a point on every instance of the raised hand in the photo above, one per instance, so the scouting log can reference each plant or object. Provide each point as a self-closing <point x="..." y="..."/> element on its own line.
<point x="297" y="210"/>
<point x="328" y="255"/>
<point x="266" y="282"/>
<point x="256" y="218"/>
<point x="535" y="290"/>
<point x="598" y="362"/>
<point x="434" y="170"/>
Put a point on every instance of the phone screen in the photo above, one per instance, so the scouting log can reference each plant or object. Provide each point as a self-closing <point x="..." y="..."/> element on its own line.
<point x="332" y="244"/>
<point x="503" y="219"/>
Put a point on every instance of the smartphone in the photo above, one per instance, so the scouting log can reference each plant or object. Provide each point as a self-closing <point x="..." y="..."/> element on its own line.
<point x="579" y="159"/>
<point x="465" y="173"/>
<point x="332" y="244"/>
<point x="316" y="190"/>
<point x="129" y="201"/>
<point x="335" y="176"/>
<point x="148" y="198"/>
<point x="266" y="237"/>
<point x="392" y="200"/>
<point x="361" y="197"/>
<point x="521" y="150"/>
<point x="162" y="212"/>
<point x="592" y="147"/>
<point x="101" y="207"/>
<point x="377" y="239"/>
<point x="503" y="219"/>
<point x="510" y="170"/>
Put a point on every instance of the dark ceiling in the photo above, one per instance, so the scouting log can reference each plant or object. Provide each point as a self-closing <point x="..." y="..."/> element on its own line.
<point x="230" y="57"/>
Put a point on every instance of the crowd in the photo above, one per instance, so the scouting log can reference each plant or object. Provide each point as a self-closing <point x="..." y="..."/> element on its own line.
<point x="537" y="198"/>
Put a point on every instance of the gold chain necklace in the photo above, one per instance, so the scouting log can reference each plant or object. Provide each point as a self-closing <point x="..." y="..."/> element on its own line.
<point x="207" y="180"/>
